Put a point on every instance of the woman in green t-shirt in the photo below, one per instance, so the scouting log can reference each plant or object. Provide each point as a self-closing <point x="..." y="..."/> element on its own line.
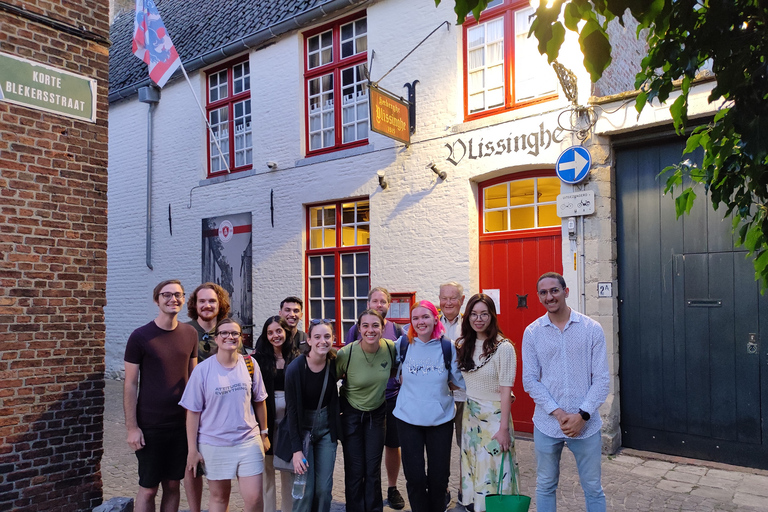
<point x="365" y="366"/>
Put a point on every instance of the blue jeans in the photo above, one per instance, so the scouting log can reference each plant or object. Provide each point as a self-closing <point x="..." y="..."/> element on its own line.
<point x="587" y="453"/>
<point x="321" y="459"/>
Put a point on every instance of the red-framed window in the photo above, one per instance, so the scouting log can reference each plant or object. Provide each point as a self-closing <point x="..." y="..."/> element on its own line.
<point x="336" y="85"/>
<point x="519" y="205"/>
<point x="503" y="69"/>
<point x="338" y="262"/>
<point x="228" y="106"/>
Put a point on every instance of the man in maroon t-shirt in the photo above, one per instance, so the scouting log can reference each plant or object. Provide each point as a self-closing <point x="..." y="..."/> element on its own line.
<point x="163" y="353"/>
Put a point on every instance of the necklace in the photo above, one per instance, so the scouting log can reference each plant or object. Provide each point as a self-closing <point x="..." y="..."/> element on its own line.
<point x="365" y="354"/>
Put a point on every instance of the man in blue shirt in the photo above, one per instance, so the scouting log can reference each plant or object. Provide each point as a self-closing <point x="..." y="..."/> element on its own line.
<point x="565" y="371"/>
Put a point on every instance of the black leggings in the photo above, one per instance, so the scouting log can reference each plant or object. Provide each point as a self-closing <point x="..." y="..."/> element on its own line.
<point x="426" y="482"/>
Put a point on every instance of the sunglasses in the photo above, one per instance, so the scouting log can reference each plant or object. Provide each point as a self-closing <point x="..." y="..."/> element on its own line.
<point x="318" y="321"/>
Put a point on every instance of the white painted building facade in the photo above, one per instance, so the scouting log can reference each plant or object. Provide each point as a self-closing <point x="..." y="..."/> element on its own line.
<point x="424" y="230"/>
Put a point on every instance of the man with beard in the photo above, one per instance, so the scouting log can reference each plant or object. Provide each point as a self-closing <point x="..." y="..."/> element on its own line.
<point x="207" y="305"/>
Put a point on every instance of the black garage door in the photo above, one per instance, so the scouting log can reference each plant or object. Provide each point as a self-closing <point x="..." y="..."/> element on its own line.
<point x="693" y="324"/>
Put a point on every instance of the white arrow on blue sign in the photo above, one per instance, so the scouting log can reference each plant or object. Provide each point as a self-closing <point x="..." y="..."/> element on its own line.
<point x="573" y="165"/>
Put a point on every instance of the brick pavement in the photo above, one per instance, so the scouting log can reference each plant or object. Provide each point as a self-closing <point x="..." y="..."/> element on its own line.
<point x="632" y="480"/>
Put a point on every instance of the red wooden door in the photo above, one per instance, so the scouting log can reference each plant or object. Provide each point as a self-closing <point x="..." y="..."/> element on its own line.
<point x="511" y="260"/>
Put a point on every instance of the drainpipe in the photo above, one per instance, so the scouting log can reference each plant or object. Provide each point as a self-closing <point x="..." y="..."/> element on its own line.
<point x="150" y="95"/>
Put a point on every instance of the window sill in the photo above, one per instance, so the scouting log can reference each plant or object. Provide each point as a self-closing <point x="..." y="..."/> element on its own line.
<point x="510" y="115"/>
<point x="229" y="177"/>
<point x="335" y="155"/>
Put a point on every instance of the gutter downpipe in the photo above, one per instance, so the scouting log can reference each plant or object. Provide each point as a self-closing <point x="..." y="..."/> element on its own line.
<point x="245" y="43"/>
<point x="150" y="95"/>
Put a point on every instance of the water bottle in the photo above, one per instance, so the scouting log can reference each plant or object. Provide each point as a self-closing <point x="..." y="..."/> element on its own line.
<point x="299" y="483"/>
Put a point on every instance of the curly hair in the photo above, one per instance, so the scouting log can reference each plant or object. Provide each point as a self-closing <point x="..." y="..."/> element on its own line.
<point x="221" y="295"/>
<point x="465" y="345"/>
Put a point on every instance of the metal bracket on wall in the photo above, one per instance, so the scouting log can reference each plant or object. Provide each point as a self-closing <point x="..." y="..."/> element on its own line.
<point x="411" y="104"/>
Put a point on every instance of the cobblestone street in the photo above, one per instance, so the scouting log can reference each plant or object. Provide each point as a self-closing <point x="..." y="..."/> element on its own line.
<point x="632" y="480"/>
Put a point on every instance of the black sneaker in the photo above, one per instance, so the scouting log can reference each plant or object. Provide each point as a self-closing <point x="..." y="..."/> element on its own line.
<point x="447" y="499"/>
<point x="395" y="499"/>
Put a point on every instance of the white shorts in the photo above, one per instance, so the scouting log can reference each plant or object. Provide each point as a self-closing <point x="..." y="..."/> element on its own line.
<point x="228" y="462"/>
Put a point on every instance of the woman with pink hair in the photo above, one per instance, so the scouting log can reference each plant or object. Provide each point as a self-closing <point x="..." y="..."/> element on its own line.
<point x="425" y="409"/>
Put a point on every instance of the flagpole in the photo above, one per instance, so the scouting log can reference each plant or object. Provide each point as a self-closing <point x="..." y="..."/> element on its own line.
<point x="207" y="123"/>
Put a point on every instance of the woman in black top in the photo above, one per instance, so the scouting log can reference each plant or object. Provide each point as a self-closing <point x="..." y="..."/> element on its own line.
<point x="274" y="355"/>
<point x="304" y="383"/>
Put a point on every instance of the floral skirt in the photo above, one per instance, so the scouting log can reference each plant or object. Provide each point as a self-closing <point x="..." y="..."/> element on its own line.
<point x="480" y="469"/>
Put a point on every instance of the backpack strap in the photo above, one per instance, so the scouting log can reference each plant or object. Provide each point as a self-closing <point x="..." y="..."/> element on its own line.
<point x="445" y="344"/>
<point x="249" y="364"/>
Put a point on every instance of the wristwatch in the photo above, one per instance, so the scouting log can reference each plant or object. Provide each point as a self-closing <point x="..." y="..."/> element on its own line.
<point x="584" y="415"/>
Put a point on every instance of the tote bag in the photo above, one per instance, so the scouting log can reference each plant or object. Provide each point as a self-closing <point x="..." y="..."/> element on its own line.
<point x="507" y="502"/>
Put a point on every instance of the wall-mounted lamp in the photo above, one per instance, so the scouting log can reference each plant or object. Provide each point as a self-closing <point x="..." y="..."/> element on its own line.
<point x="272" y="165"/>
<point x="440" y="174"/>
<point x="382" y="181"/>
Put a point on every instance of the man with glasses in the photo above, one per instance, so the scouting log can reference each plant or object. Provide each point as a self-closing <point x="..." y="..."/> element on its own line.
<point x="451" y="300"/>
<point x="565" y="371"/>
<point x="207" y="306"/>
<point x="159" y="357"/>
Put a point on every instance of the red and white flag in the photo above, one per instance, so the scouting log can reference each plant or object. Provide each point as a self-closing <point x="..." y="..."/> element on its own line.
<point x="152" y="44"/>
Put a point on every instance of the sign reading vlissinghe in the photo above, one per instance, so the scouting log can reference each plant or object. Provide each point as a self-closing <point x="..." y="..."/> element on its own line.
<point x="42" y="87"/>
<point x="389" y="116"/>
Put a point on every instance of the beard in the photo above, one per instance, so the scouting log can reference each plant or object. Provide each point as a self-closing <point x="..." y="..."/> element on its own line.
<point x="207" y="315"/>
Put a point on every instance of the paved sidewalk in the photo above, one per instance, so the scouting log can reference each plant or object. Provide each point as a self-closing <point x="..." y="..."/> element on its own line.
<point x="632" y="480"/>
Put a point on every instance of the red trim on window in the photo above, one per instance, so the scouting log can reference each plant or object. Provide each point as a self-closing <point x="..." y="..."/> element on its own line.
<point x="229" y="101"/>
<point x="336" y="252"/>
<point x="505" y="10"/>
<point x="335" y="67"/>
<point x="518" y="233"/>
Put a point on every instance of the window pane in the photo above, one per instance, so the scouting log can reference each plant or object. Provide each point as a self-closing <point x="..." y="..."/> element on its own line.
<point x="329" y="287"/>
<point x="315" y="217"/>
<point x="533" y="76"/>
<point x="347" y="264"/>
<point x="363" y="235"/>
<point x="485" y="66"/>
<point x="521" y="192"/>
<point x="521" y="218"/>
<point x="362" y="286"/>
<point x="496" y="221"/>
<point x="347" y="236"/>
<point x="330" y="237"/>
<point x="314" y="266"/>
<point x="316" y="239"/>
<point x="348" y="309"/>
<point x="548" y="189"/>
<point x="496" y="196"/>
<point x="329" y="216"/>
<point x="314" y="287"/>
<point x="347" y="286"/>
<point x="548" y="216"/>
<point x="330" y="309"/>
<point x="362" y="262"/>
<point x="316" y="309"/>
<point x="328" y="265"/>
<point x="348" y="213"/>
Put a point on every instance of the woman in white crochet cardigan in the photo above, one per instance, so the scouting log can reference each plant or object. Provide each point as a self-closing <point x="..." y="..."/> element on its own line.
<point x="487" y="362"/>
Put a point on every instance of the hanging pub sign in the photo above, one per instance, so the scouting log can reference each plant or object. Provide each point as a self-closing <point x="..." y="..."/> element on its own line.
<point x="389" y="116"/>
<point x="34" y="85"/>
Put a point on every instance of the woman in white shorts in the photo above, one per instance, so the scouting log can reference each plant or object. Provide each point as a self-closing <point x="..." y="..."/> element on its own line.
<point x="222" y="428"/>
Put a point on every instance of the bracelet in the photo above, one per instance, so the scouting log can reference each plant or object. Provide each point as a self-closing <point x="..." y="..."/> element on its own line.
<point x="265" y="431"/>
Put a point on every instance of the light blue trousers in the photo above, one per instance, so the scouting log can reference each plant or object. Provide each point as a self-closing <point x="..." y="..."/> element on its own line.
<point x="587" y="453"/>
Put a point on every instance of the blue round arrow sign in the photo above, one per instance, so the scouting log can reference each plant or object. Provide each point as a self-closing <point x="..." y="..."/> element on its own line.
<point x="573" y="164"/>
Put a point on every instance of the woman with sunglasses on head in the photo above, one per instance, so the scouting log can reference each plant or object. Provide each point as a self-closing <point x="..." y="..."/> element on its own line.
<point x="312" y="404"/>
<point x="273" y="357"/>
<point x="365" y="365"/>
<point x="222" y="427"/>
<point x="488" y="363"/>
<point x="425" y="407"/>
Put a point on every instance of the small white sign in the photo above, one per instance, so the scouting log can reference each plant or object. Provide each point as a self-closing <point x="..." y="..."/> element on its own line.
<point x="226" y="231"/>
<point x="605" y="289"/>
<point x="495" y="294"/>
<point x="577" y="203"/>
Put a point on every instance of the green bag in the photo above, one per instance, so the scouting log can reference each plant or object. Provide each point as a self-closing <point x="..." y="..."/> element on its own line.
<point x="507" y="502"/>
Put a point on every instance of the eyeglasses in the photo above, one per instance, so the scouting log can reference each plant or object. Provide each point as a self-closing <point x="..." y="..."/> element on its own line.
<point x="169" y="295"/>
<point x="207" y="339"/>
<point x="553" y="291"/>
<point x="318" y="321"/>
<point x="481" y="316"/>
<point x="229" y="334"/>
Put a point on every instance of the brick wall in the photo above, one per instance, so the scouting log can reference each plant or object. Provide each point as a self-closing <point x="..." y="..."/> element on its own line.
<point x="53" y="206"/>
